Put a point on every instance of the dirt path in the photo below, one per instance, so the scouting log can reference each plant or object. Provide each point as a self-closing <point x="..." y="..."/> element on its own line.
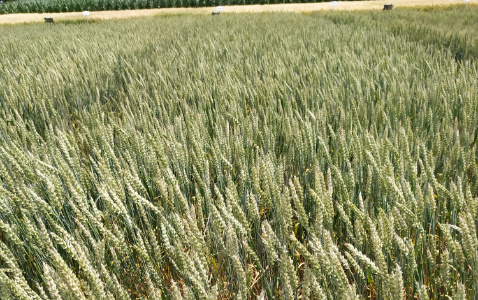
<point x="300" y="7"/>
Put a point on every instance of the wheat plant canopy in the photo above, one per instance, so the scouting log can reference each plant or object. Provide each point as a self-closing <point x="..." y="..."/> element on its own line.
<point x="264" y="156"/>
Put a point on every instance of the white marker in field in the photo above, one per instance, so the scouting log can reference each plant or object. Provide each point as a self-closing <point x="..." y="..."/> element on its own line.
<point x="466" y="1"/>
<point x="86" y="14"/>
<point x="334" y="4"/>
<point x="219" y="8"/>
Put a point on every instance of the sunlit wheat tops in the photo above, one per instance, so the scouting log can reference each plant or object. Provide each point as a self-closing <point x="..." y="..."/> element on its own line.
<point x="275" y="156"/>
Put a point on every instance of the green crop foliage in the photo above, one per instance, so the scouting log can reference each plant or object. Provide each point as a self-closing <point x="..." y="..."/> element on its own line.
<point x="51" y="6"/>
<point x="270" y="156"/>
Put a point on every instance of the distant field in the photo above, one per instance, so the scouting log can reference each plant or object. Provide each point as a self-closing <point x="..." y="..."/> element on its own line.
<point x="147" y="8"/>
<point x="51" y="6"/>
<point x="320" y="155"/>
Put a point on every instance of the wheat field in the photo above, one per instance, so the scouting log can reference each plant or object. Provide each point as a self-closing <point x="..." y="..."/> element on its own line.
<point x="250" y="156"/>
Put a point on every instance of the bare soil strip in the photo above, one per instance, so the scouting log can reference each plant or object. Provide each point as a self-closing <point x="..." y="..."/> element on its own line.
<point x="298" y="7"/>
